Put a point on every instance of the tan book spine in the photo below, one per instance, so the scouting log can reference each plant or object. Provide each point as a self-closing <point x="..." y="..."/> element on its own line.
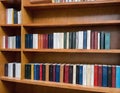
<point x="47" y="71"/>
<point x="61" y="72"/>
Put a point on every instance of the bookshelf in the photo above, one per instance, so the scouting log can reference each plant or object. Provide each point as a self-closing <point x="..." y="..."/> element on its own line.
<point x="100" y="15"/>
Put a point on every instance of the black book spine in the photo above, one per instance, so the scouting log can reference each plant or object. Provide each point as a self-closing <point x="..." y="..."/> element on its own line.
<point x="28" y="71"/>
<point x="109" y="76"/>
<point x="50" y="72"/>
<point x="43" y="72"/>
<point x="13" y="69"/>
<point x="6" y="69"/>
<point x="70" y="74"/>
<point x="77" y="74"/>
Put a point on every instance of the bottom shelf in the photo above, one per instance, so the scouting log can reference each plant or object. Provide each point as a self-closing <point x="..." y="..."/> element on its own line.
<point x="62" y="85"/>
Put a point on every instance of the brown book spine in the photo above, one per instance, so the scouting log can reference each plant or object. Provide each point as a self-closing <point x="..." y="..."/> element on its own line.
<point x="92" y="40"/>
<point x="47" y="72"/>
<point x="61" y="72"/>
<point x="113" y="76"/>
<point x="39" y="41"/>
<point x="96" y="40"/>
<point x="100" y="76"/>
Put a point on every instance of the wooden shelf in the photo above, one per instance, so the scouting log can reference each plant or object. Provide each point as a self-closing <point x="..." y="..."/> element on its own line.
<point x="9" y="50"/>
<point x="111" y="22"/>
<point x="11" y="26"/>
<point x="62" y="85"/>
<point x="112" y="51"/>
<point x="73" y="4"/>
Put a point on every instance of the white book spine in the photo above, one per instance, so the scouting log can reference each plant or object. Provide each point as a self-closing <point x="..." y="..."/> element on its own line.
<point x="67" y="40"/>
<point x="18" y="70"/>
<point x="74" y="74"/>
<point x="92" y="75"/>
<point x="88" y="38"/>
<point x="10" y="70"/>
<point x="84" y="75"/>
<point x="35" y="41"/>
<point x="3" y="42"/>
<point x="88" y="74"/>
<point x="62" y="40"/>
<point x="10" y="15"/>
<point x="98" y="40"/>
<point x="19" y="17"/>
<point x="77" y="39"/>
<point x="14" y="42"/>
<point x="80" y="43"/>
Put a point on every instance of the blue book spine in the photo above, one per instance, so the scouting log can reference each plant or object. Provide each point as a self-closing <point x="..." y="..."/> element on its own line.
<point x="117" y="76"/>
<point x="85" y="40"/>
<point x="37" y="72"/>
<point x="104" y="75"/>
<point x="26" y="40"/>
<point x="57" y="71"/>
<point x="102" y="40"/>
<point x="107" y="40"/>
<point x="18" y="42"/>
<point x="81" y="75"/>
<point x="30" y="40"/>
<point x="51" y="40"/>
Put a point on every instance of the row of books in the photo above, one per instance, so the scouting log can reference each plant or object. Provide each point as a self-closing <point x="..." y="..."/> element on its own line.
<point x="13" y="70"/>
<point x="13" y="16"/>
<point x="83" y="74"/>
<point x="66" y="1"/>
<point x="69" y="40"/>
<point x="11" y="42"/>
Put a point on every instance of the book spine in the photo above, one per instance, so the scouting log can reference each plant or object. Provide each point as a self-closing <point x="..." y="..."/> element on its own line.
<point x="100" y="75"/>
<point x="70" y="79"/>
<point x="81" y="74"/>
<point x="96" y="69"/>
<point x="117" y="76"/>
<point x="113" y="76"/>
<point x="85" y="40"/>
<point x="104" y="75"/>
<point x="43" y="72"/>
<point x="107" y="40"/>
<point x="109" y="76"/>
<point x="57" y="73"/>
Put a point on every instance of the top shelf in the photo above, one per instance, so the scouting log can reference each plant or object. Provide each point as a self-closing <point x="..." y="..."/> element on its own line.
<point x="73" y="4"/>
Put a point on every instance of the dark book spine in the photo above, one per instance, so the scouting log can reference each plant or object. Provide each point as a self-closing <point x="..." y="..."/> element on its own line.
<point x="43" y="72"/>
<point x="74" y="40"/>
<point x="26" y="41"/>
<point x="6" y="69"/>
<point x="109" y="76"/>
<point x="65" y="40"/>
<point x="70" y="40"/>
<point x="15" y="16"/>
<point x="102" y="40"/>
<point x="37" y="72"/>
<point x="92" y="40"/>
<point x="14" y="69"/>
<point x="104" y="76"/>
<point x="70" y="74"/>
<point x="30" y="40"/>
<point x="113" y="76"/>
<point x="27" y="71"/>
<point x="85" y="40"/>
<point x="77" y="74"/>
<point x="81" y="75"/>
<point x="18" y="42"/>
<point x="51" y="72"/>
<point x="57" y="79"/>
<point x="49" y="39"/>
<point x="54" y="74"/>
<point x="96" y="40"/>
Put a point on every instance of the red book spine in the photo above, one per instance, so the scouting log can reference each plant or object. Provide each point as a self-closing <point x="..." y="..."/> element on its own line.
<point x="96" y="75"/>
<point x="46" y="40"/>
<point x="54" y="75"/>
<point x="44" y="43"/>
<point x="96" y="40"/>
<point x="92" y="40"/>
<point x="113" y="76"/>
<point x="40" y="71"/>
<point x="66" y="73"/>
<point x="100" y="75"/>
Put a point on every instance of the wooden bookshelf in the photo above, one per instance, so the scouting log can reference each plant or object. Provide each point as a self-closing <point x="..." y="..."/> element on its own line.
<point x="99" y="15"/>
<point x="62" y="85"/>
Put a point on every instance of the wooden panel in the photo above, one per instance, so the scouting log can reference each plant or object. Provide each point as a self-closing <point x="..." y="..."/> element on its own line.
<point x="2" y="14"/>
<point x="74" y="58"/>
<point x="75" y="15"/>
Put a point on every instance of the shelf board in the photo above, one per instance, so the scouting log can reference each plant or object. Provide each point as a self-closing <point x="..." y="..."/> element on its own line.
<point x="111" y="51"/>
<point x="12" y="3"/>
<point x="62" y="85"/>
<point x="101" y="23"/>
<point x="10" y="50"/>
<point x="73" y="4"/>
<point x="11" y="26"/>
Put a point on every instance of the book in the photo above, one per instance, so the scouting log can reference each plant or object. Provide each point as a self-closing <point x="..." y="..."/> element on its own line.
<point x="113" y="76"/>
<point x="57" y="73"/>
<point x="117" y="76"/>
<point x="105" y="76"/>
<point x="109" y="78"/>
<point x="107" y="40"/>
